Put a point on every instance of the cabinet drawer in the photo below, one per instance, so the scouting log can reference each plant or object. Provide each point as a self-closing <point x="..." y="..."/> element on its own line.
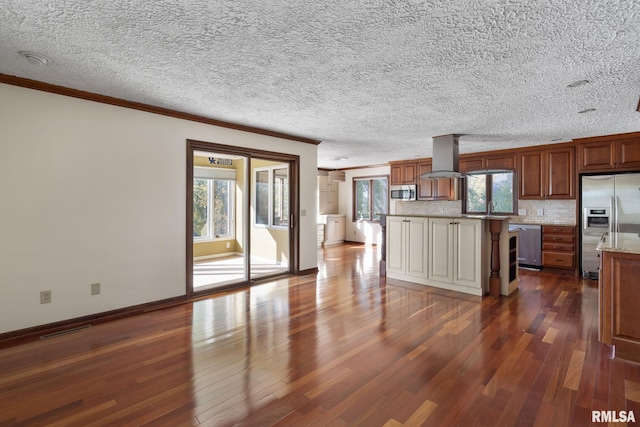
<point x="557" y="259"/>
<point x="558" y="238"/>
<point x="557" y="229"/>
<point x="558" y="247"/>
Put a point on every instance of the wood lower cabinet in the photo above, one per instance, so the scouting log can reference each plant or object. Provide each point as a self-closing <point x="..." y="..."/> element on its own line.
<point x="559" y="246"/>
<point x="609" y="153"/>
<point x="547" y="174"/>
<point x="455" y="252"/>
<point x="407" y="239"/>
<point x="619" y="293"/>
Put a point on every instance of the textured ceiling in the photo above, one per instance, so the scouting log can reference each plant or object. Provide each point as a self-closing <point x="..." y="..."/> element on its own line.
<point x="373" y="80"/>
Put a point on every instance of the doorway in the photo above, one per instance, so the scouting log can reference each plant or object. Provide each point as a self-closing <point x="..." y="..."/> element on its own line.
<point x="241" y="216"/>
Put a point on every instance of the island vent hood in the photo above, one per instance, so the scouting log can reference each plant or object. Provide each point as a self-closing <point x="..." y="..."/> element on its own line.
<point x="445" y="158"/>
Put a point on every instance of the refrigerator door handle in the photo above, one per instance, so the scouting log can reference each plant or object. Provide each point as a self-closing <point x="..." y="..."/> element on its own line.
<point x="615" y="218"/>
<point x="612" y="214"/>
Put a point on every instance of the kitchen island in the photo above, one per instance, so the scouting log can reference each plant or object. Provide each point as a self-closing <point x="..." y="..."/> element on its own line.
<point x="619" y="294"/>
<point x="472" y="254"/>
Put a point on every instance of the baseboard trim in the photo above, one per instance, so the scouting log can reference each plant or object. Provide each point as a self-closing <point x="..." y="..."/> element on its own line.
<point x="11" y="338"/>
<point x="28" y="334"/>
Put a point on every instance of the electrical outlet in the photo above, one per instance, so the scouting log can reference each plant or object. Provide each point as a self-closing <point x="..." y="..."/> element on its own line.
<point x="228" y="245"/>
<point x="540" y="212"/>
<point x="522" y="212"/>
<point x="95" y="288"/>
<point x="45" y="297"/>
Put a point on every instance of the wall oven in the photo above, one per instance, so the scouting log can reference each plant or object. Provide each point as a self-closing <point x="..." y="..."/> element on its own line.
<point x="403" y="192"/>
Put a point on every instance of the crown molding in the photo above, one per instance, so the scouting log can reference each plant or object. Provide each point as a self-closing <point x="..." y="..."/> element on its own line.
<point x="89" y="96"/>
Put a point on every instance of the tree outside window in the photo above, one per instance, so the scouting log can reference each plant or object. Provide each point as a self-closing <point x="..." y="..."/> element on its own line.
<point x="370" y="198"/>
<point x="212" y="208"/>
<point x="480" y="189"/>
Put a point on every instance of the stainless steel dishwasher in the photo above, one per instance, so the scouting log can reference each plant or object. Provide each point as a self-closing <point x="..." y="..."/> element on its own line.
<point x="530" y="244"/>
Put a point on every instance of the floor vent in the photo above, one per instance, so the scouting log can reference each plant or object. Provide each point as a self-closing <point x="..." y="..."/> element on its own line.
<point x="65" y="332"/>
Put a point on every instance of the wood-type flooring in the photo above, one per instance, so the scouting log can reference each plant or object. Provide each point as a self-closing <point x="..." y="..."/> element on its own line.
<point x="343" y="348"/>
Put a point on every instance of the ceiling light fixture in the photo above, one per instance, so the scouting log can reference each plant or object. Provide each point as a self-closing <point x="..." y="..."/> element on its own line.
<point x="588" y="110"/>
<point x="337" y="175"/>
<point x="36" y="58"/>
<point x="577" y="83"/>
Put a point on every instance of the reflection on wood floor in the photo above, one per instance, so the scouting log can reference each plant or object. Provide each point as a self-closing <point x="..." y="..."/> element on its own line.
<point x="340" y="348"/>
<point x="215" y="272"/>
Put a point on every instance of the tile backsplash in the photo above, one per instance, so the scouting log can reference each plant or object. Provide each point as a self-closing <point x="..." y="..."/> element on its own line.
<point x="551" y="211"/>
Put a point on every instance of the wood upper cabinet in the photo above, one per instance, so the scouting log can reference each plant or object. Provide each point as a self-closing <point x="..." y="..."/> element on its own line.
<point x="615" y="152"/>
<point x="435" y="189"/>
<point x="469" y="164"/>
<point x="404" y="173"/>
<point x="501" y="161"/>
<point x="547" y="174"/>
<point x="491" y="161"/>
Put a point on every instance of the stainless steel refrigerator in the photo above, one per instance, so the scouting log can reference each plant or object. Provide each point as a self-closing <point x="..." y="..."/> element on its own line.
<point x="610" y="203"/>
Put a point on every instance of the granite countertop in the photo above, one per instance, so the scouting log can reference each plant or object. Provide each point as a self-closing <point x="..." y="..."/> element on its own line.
<point x="500" y="217"/>
<point x="620" y="242"/>
<point x="559" y="224"/>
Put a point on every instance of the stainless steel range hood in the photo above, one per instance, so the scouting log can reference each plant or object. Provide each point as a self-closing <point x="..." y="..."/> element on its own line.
<point x="445" y="158"/>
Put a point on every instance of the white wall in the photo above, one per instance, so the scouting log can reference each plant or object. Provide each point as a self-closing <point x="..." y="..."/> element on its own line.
<point x="360" y="231"/>
<point x="91" y="192"/>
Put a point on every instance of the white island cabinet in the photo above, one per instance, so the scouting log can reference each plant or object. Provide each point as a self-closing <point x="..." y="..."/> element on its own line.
<point x="407" y="246"/>
<point x="448" y="253"/>
<point x="455" y="253"/>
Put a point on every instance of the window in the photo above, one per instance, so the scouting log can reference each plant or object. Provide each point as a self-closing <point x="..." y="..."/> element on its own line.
<point x="213" y="200"/>
<point x="370" y="198"/>
<point x="272" y="196"/>
<point x="498" y="188"/>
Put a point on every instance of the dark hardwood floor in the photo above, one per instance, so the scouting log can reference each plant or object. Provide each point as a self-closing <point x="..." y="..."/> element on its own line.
<point x="342" y="348"/>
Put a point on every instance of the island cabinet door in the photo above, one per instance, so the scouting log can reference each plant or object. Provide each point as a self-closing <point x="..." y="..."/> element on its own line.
<point x="441" y="249"/>
<point x="417" y="237"/>
<point x="396" y="251"/>
<point x="468" y="235"/>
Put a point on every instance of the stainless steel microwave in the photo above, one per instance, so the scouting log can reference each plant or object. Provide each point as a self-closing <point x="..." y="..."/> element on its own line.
<point x="403" y="192"/>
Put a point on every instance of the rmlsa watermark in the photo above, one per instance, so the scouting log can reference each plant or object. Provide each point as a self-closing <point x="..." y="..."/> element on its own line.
<point x="613" y="417"/>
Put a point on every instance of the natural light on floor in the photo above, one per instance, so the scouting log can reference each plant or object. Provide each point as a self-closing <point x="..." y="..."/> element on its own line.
<point x="221" y="271"/>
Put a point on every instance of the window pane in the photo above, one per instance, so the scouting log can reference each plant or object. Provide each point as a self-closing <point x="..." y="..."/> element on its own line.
<point x="476" y="196"/>
<point x="502" y="192"/>
<point x="200" y="208"/>
<point x="222" y="191"/>
<point x="380" y="197"/>
<point x="280" y="197"/>
<point x="362" y="199"/>
<point x="262" y="197"/>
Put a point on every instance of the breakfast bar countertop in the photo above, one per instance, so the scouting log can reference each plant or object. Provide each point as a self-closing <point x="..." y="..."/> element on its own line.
<point x="620" y="242"/>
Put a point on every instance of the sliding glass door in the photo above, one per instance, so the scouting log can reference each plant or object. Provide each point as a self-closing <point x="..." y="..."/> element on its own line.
<point x="270" y="218"/>
<point x="240" y="211"/>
